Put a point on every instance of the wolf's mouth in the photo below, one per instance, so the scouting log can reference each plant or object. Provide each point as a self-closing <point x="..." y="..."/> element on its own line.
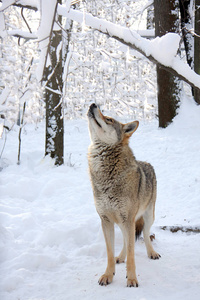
<point x="97" y="122"/>
<point x="91" y="113"/>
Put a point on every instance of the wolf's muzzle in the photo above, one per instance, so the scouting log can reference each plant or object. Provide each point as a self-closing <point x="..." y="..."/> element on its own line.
<point x="91" y="114"/>
<point x="91" y="110"/>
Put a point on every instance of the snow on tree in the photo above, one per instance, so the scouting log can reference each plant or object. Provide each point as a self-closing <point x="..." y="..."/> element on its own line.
<point x="132" y="39"/>
<point x="103" y="70"/>
<point x="18" y="64"/>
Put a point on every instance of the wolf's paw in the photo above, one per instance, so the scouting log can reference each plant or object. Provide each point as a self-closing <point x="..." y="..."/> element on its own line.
<point x="154" y="255"/>
<point x="119" y="260"/>
<point x="105" y="279"/>
<point x="132" y="283"/>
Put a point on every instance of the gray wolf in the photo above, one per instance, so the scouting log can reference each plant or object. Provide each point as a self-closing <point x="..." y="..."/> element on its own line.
<point x="124" y="190"/>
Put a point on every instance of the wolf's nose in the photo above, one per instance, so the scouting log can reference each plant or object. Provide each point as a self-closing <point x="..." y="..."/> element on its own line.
<point x="93" y="105"/>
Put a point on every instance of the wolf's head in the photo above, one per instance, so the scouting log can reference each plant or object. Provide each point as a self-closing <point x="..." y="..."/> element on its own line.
<point x="107" y="130"/>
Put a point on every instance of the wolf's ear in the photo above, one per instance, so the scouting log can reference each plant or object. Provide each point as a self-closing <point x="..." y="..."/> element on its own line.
<point x="131" y="127"/>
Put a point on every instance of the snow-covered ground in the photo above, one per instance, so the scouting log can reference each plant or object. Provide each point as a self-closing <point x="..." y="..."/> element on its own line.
<point x="51" y="242"/>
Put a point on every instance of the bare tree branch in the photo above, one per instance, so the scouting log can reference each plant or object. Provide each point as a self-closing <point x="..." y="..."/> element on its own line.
<point x="20" y="131"/>
<point x="23" y="17"/>
<point x="23" y="4"/>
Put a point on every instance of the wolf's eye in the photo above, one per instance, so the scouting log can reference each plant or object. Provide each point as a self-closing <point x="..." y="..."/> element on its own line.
<point x="109" y="120"/>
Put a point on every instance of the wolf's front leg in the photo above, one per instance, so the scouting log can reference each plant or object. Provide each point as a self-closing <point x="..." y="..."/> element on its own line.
<point x="129" y="234"/>
<point x="108" y="230"/>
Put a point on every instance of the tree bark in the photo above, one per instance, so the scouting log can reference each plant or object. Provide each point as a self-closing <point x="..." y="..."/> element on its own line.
<point x="54" y="145"/>
<point x="166" y="20"/>
<point x="54" y="92"/>
<point x="197" y="46"/>
<point x="186" y="26"/>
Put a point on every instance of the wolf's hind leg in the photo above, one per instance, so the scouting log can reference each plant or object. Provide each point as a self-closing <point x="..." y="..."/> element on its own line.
<point x="108" y="230"/>
<point x="148" y="221"/>
<point x="138" y="230"/>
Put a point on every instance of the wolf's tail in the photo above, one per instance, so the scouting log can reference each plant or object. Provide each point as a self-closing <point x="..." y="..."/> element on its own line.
<point x="139" y="227"/>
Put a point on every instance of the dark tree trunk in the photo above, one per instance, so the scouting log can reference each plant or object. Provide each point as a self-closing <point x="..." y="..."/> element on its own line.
<point x="197" y="46"/>
<point x="186" y="26"/>
<point x="53" y="75"/>
<point x="54" y="144"/>
<point x="166" y="20"/>
<point x="54" y="108"/>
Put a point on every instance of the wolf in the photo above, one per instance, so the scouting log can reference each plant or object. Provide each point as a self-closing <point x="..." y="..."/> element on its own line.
<point x="124" y="190"/>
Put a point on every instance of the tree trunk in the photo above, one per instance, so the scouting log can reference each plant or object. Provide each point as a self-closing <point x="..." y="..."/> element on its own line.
<point x="197" y="46"/>
<point x="169" y="87"/>
<point x="186" y="26"/>
<point x="54" y="145"/>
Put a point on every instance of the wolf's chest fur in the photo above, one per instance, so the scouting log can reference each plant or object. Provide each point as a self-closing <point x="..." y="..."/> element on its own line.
<point x="111" y="170"/>
<point x="119" y="181"/>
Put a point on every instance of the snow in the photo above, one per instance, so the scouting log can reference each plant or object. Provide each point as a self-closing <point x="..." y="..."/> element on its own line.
<point x="51" y="242"/>
<point x="47" y="22"/>
<point x="2" y="26"/>
<point x="3" y="96"/>
<point x="66" y="67"/>
<point x="149" y="48"/>
<point x="1" y="129"/>
<point x="68" y="4"/>
<point x="31" y="3"/>
<point x="5" y="4"/>
<point x="147" y="33"/>
<point x="165" y="47"/>
<point x="22" y="33"/>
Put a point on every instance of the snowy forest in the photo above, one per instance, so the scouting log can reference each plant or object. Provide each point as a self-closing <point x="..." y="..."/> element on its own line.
<point x="137" y="60"/>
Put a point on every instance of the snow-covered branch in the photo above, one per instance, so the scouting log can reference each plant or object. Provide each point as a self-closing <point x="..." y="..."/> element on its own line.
<point x="161" y="51"/>
<point x="22" y="34"/>
<point x="30" y="4"/>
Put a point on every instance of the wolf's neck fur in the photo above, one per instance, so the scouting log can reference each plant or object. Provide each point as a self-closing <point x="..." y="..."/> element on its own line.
<point x="105" y="158"/>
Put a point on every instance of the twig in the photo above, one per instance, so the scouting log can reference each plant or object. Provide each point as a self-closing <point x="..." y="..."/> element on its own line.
<point x="20" y="131"/>
<point x="5" y="139"/>
<point x="25" y="20"/>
